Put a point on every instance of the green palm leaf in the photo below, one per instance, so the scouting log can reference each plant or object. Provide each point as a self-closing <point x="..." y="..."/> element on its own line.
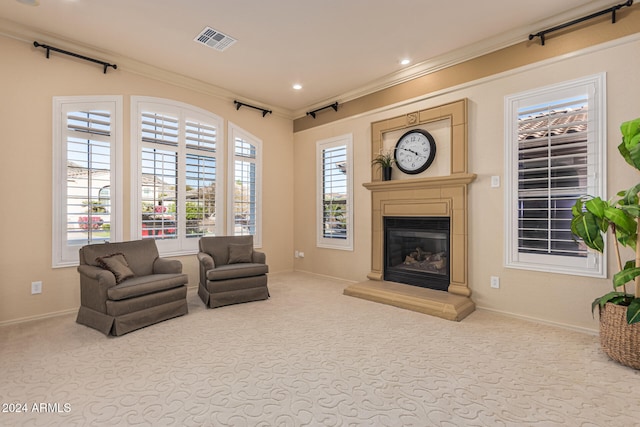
<point x="625" y="276"/>
<point x="587" y="227"/>
<point x="630" y="133"/>
<point x="630" y="196"/>
<point x="633" y="311"/>
<point x="610" y="297"/>
<point x="621" y="219"/>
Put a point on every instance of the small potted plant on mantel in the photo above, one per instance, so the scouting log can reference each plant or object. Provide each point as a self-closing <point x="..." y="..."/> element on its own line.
<point x="385" y="160"/>
<point x="592" y="219"/>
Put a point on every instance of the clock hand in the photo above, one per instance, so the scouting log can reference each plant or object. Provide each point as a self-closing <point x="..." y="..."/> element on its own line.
<point x="411" y="151"/>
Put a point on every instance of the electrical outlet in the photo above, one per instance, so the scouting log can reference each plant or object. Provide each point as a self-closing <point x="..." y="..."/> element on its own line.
<point x="495" y="282"/>
<point x="301" y="254"/>
<point x="495" y="181"/>
<point x="296" y="254"/>
<point x="36" y="287"/>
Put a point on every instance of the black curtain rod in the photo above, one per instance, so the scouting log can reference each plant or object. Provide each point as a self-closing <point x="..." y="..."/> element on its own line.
<point x="313" y="113"/>
<point x="611" y="10"/>
<point x="242" y="104"/>
<point x="86" y="58"/>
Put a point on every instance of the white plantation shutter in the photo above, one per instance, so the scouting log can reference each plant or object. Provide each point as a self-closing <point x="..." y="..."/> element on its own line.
<point x="199" y="193"/>
<point x="334" y="186"/>
<point x="159" y="168"/>
<point x="552" y="174"/>
<point x="244" y="185"/>
<point x="90" y="122"/>
<point x="555" y="146"/>
<point x="201" y="136"/>
<point x="159" y="128"/>
<point x="86" y="174"/>
<point x="88" y="136"/>
<point x="159" y="192"/>
<point x="335" y="207"/>
<point x="176" y="173"/>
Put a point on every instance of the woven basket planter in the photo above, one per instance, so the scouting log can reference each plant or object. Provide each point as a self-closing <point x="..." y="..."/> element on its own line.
<point x="618" y="339"/>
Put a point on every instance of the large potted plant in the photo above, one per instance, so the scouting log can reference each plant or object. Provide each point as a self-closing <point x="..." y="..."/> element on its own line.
<point x="592" y="219"/>
<point x="385" y="160"/>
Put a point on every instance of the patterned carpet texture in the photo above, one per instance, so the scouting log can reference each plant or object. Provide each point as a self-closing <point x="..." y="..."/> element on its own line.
<point x="310" y="356"/>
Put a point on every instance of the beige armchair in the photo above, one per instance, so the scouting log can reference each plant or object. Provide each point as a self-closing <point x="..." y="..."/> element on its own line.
<point x="231" y="272"/>
<point x="126" y="286"/>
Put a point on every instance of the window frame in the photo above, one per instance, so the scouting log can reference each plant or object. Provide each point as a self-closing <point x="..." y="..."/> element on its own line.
<point x="182" y="245"/>
<point x="321" y="145"/>
<point x="234" y="133"/>
<point x="594" y="264"/>
<point x="63" y="254"/>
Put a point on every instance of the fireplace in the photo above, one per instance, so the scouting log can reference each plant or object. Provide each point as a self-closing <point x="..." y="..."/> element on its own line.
<point x="438" y="194"/>
<point x="416" y="251"/>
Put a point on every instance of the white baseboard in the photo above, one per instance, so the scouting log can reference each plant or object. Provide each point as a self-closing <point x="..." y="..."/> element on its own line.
<point x="38" y="317"/>
<point x="543" y="321"/>
<point x="325" y="276"/>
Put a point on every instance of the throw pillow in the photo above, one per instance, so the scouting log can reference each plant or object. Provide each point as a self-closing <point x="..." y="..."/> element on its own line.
<point x="240" y="253"/>
<point x="117" y="264"/>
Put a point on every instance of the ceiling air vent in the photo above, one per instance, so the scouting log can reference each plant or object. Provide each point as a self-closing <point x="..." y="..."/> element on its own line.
<point x="215" y="39"/>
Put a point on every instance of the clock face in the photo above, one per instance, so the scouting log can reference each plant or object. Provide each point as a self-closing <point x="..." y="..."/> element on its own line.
<point x="415" y="151"/>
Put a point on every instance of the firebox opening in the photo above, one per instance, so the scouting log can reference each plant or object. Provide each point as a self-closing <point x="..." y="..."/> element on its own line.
<point x="416" y="251"/>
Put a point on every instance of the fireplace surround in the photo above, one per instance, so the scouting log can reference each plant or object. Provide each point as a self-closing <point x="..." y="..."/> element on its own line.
<point x="426" y="197"/>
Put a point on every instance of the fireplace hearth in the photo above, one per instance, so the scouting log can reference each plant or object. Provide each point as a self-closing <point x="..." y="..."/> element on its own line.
<point x="416" y="251"/>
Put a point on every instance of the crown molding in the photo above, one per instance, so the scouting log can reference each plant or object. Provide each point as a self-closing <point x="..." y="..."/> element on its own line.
<point x="28" y="35"/>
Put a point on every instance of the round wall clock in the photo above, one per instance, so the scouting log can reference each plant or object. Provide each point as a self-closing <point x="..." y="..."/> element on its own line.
<point x="415" y="151"/>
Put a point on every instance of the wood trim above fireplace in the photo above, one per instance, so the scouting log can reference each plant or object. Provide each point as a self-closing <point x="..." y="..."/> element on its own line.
<point x="455" y="112"/>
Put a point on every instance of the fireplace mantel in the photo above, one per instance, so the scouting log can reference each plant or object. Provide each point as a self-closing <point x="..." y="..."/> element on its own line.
<point x="457" y="179"/>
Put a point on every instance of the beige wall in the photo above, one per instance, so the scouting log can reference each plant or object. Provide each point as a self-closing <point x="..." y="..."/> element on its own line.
<point x="29" y="81"/>
<point x="554" y="298"/>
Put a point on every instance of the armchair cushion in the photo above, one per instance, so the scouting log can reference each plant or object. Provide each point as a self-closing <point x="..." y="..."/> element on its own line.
<point x="234" y="271"/>
<point x="240" y="253"/>
<point x="144" y="285"/>
<point x="117" y="264"/>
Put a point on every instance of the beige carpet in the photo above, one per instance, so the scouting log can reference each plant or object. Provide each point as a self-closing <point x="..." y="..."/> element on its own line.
<point x="311" y="356"/>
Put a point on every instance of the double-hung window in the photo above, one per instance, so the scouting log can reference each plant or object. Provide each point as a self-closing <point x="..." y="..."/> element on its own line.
<point x="175" y="173"/>
<point x="335" y="192"/>
<point x="87" y="158"/>
<point x="555" y="152"/>
<point x="244" y="189"/>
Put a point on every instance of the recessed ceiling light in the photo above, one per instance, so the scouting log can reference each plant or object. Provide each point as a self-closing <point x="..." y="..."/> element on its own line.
<point x="29" y="2"/>
<point x="405" y="61"/>
<point x="297" y="86"/>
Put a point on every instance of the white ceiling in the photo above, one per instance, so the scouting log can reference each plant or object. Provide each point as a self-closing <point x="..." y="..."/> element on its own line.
<point x="337" y="49"/>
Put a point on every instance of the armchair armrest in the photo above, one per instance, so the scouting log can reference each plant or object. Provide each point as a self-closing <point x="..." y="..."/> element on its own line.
<point x="166" y="266"/>
<point x="105" y="278"/>
<point x="94" y="284"/>
<point x="206" y="263"/>
<point x="259" y="257"/>
<point x="206" y="260"/>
